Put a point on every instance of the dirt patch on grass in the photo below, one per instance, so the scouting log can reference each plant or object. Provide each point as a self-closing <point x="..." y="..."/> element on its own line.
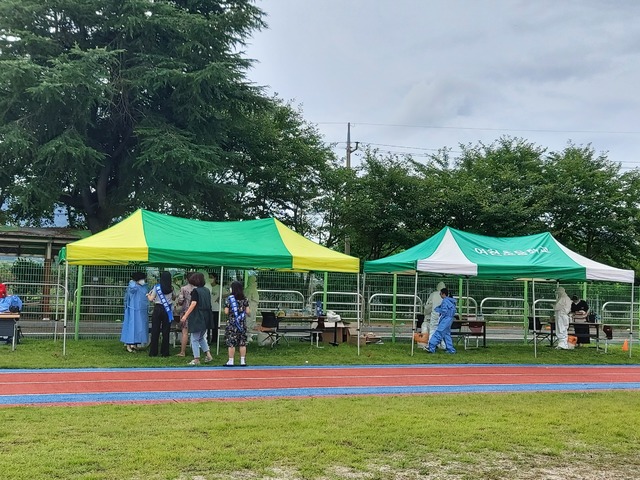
<point x="574" y="467"/>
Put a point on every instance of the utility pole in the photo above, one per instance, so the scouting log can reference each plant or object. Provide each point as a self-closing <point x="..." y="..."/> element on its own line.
<point x="347" y="242"/>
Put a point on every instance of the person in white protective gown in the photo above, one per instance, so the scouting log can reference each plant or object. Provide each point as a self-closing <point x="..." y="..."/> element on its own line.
<point x="432" y="302"/>
<point x="561" y="311"/>
<point x="253" y="296"/>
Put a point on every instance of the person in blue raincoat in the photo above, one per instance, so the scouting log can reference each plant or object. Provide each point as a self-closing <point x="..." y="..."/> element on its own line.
<point x="135" y="327"/>
<point x="447" y="311"/>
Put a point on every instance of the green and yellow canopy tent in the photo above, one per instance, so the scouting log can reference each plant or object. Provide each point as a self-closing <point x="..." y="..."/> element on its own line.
<point x="531" y="257"/>
<point x="154" y="239"/>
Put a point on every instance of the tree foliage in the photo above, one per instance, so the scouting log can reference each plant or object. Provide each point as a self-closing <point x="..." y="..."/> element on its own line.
<point x="510" y="187"/>
<point x="383" y="206"/>
<point x="109" y="106"/>
<point x="590" y="206"/>
<point x="496" y="188"/>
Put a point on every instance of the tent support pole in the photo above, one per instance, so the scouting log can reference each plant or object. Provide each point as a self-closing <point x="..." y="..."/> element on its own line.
<point x="525" y="312"/>
<point x="221" y="311"/>
<point x="468" y="295"/>
<point x="415" y="306"/>
<point x="78" y="301"/>
<point x="358" y="299"/>
<point x="631" y="322"/>
<point x="394" y="308"/>
<point x="66" y="308"/>
<point x="533" y="313"/>
<point x="325" y="289"/>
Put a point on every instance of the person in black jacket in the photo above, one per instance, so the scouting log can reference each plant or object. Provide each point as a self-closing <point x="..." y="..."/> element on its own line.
<point x="198" y="316"/>
<point x="162" y="296"/>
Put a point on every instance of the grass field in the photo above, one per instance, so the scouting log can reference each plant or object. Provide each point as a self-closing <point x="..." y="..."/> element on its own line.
<point x="458" y="436"/>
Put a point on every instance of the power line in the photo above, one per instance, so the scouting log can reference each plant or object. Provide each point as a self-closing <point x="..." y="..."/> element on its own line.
<point x="491" y="129"/>
<point x="634" y="162"/>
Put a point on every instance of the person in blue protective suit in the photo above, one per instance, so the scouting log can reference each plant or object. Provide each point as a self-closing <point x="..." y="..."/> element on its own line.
<point x="433" y="302"/>
<point x="447" y="310"/>
<point x="135" y="327"/>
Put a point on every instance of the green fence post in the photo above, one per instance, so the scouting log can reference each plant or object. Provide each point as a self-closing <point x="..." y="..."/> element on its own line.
<point x="394" y="309"/>
<point x="525" y="311"/>
<point x="78" y="302"/>
<point x="325" y="289"/>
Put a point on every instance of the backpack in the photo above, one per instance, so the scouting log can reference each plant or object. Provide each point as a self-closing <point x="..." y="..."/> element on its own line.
<point x="15" y="304"/>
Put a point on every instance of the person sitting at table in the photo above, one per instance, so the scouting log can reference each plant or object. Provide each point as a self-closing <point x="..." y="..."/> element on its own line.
<point x="580" y="310"/>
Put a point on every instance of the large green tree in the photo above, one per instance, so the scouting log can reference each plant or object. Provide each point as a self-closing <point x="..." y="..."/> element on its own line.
<point x="591" y="206"/>
<point x="111" y="105"/>
<point x="390" y="204"/>
<point x="496" y="188"/>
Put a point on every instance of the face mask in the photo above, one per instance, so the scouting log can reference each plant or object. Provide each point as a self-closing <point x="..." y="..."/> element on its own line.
<point x="141" y="282"/>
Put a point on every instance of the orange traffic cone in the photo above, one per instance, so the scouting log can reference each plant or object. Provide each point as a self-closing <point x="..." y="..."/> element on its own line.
<point x="625" y="346"/>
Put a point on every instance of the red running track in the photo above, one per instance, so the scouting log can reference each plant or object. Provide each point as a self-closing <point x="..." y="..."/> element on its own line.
<point x="47" y="387"/>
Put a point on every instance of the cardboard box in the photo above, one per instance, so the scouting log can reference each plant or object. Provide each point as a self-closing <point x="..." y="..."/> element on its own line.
<point x="365" y="338"/>
<point x="340" y="331"/>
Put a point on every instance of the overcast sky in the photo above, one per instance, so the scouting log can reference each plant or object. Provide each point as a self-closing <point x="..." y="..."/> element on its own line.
<point x="418" y="75"/>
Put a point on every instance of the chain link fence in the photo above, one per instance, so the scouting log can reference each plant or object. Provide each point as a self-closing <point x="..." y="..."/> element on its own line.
<point x="387" y="303"/>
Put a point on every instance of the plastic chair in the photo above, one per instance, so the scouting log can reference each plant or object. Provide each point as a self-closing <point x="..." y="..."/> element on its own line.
<point x="476" y="329"/>
<point x="456" y="329"/>
<point x="608" y="335"/>
<point x="538" y="333"/>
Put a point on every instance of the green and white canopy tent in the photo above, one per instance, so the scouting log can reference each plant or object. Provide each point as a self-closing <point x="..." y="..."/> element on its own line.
<point x="531" y="257"/>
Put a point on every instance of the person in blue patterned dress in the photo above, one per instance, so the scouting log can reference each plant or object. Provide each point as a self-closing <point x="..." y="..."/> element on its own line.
<point x="236" y="307"/>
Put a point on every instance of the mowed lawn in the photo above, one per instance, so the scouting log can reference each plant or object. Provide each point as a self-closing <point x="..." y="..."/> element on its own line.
<point x="449" y="436"/>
